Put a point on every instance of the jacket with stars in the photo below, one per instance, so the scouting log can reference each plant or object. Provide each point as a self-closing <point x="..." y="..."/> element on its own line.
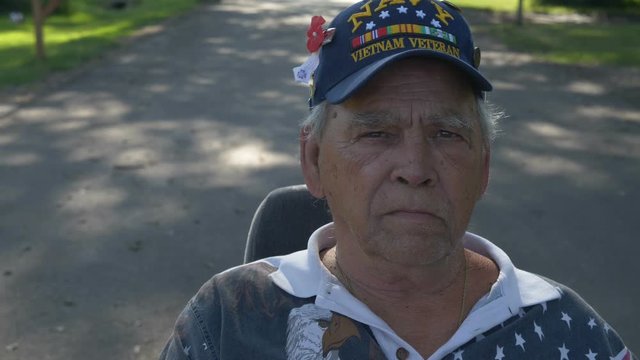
<point x="248" y="312"/>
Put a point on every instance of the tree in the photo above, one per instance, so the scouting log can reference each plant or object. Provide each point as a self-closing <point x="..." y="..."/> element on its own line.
<point x="519" y="17"/>
<point x="41" y="12"/>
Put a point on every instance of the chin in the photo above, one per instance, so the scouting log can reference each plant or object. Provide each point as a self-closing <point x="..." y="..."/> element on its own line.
<point x="411" y="249"/>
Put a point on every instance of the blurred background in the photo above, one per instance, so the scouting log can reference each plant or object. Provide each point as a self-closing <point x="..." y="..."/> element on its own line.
<point x="138" y="137"/>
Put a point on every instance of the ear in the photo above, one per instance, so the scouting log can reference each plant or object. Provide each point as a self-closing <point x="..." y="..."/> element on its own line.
<point x="309" y="158"/>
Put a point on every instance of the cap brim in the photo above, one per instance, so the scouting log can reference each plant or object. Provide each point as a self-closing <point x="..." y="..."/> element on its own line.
<point x="345" y="88"/>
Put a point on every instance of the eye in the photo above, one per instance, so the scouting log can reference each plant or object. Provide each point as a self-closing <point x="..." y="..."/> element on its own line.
<point x="323" y="323"/>
<point x="375" y="134"/>
<point x="446" y="134"/>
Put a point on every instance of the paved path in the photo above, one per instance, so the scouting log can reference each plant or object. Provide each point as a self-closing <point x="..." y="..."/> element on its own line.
<point x="123" y="189"/>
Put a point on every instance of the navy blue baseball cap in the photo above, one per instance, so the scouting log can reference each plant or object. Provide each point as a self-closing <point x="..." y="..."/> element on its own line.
<point x="371" y="34"/>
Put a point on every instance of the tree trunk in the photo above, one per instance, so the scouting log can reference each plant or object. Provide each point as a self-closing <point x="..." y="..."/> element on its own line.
<point x="520" y="16"/>
<point x="38" y="21"/>
<point x="40" y="15"/>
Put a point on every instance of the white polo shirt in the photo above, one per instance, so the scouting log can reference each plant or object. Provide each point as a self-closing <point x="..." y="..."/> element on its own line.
<point x="302" y="274"/>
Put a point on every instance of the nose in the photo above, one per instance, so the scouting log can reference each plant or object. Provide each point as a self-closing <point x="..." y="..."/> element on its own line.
<point x="414" y="164"/>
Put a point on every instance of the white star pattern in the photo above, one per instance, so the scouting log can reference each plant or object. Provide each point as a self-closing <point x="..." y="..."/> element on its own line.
<point x="458" y="355"/>
<point x="371" y="25"/>
<point x="402" y="10"/>
<point x="384" y="14"/>
<point x="601" y="340"/>
<point x="566" y="318"/>
<point x="520" y="341"/>
<point x="538" y="330"/>
<point x="564" y="352"/>
<point x="497" y="342"/>
<point x="544" y="307"/>
<point x="436" y="23"/>
<point x="420" y="14"/>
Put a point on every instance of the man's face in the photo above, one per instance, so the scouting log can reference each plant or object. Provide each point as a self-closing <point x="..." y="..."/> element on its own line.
<point x="402" y="163"/>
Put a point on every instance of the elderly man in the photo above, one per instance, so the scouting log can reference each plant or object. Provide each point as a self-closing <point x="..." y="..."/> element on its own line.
<point x="398" y="143"/>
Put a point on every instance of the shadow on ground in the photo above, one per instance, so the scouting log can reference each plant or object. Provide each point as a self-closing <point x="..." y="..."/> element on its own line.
<point x="124" y="189"/>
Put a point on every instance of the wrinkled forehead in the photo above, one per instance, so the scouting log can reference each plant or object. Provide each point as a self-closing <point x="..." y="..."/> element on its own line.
<point x="350" y="119"/>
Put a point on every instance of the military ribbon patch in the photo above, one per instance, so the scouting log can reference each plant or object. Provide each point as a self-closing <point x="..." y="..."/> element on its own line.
<point x="401" y="29"/>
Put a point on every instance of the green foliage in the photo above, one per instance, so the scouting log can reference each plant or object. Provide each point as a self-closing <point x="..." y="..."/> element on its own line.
<point x="591" y="3"/>
<point x="618" y="7"/>
<point x="613" y="44"/>
<point x="496" y="5"/>
<point x="7" y="6"/>
<point x="73" y="39"/>
<point x="24" y="6"/>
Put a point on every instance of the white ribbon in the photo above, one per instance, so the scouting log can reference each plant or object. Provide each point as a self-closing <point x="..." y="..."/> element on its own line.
<point x="302" y="74"/>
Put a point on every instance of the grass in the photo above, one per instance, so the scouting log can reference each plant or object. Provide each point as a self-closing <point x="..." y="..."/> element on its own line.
<point x="510" y="6"/>
<point x="494" y="5"/>
<point x="72" y="40"/>
<point x="611" y="44"/>
<point x="532" y="5"/>
<point x="601" y="43"/>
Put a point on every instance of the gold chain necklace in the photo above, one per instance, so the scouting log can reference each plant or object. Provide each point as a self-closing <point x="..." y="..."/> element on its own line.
<point x="464" y="290"/>
<point x="347" y="280"/>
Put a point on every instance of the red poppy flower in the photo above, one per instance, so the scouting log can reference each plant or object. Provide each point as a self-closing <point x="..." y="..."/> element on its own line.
<point x="315" y="34"/>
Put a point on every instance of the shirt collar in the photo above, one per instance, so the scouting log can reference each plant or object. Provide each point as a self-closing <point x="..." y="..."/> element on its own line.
<point x="303" y="275"/>
<point x="520" y="287"/>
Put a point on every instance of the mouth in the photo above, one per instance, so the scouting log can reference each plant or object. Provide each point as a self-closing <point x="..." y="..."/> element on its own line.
<point x="414" y="215"/>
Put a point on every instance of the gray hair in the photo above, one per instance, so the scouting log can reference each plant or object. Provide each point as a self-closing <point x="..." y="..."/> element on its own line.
<point x="313" y="125"/>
